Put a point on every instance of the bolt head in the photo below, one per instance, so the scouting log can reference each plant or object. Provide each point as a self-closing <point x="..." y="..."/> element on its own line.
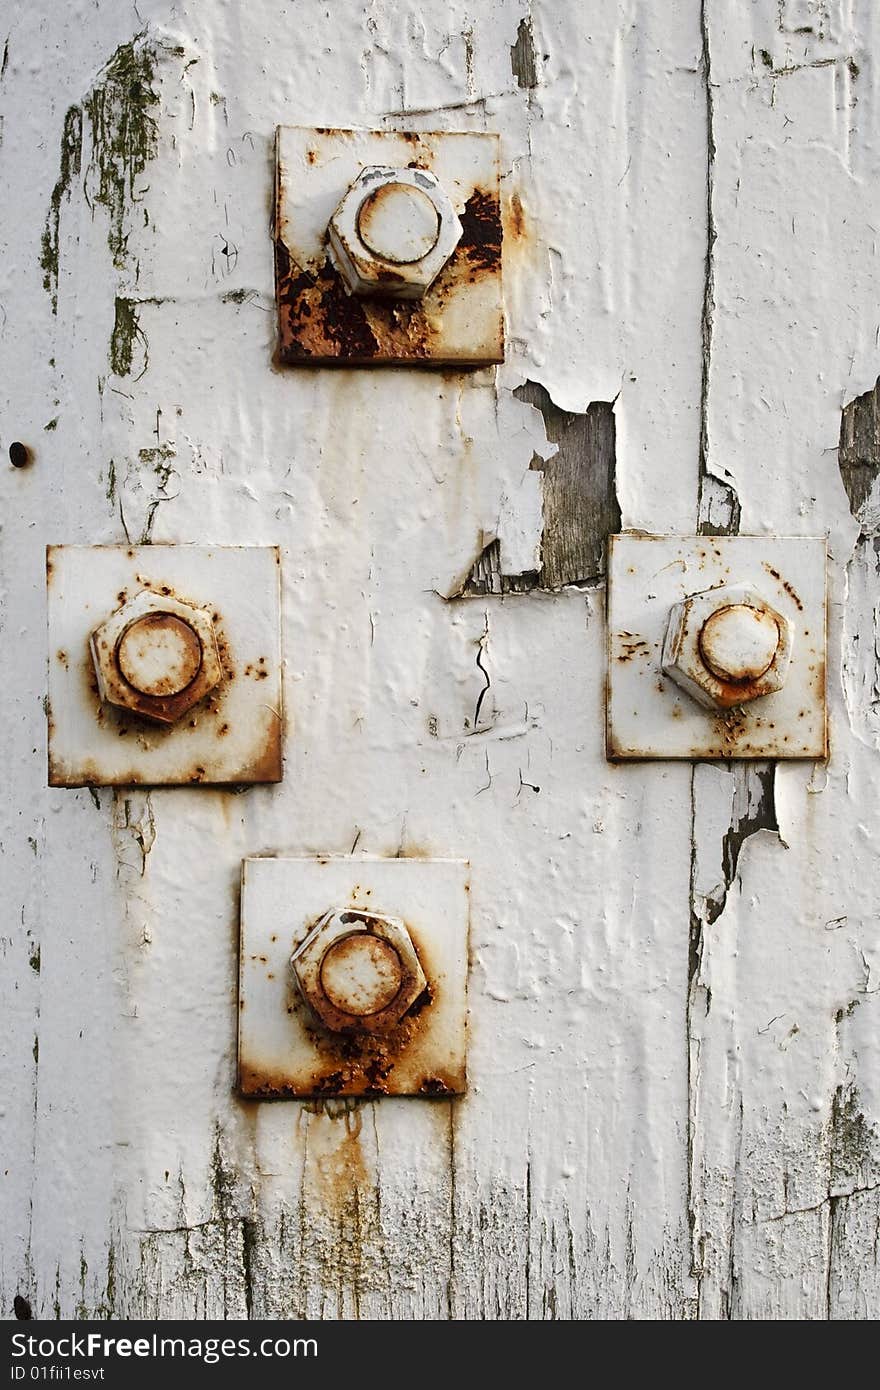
<point x="727" y="646"/>
<point x="393" y="233"/>
<point x="358" y="971"/>
<point x="156" y="656"/>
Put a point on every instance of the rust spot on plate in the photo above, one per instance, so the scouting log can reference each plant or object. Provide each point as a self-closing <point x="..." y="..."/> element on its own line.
<point x="354" y="1064"/>
<point x="268" y="766"/>
<point x="632" y="647"/>
<point x="481" y="231"/>
<point x="436" y="1086"/>
<point x="789" y="588"/>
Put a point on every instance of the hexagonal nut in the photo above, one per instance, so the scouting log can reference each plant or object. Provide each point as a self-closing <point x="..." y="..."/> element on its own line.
<point x="727" y="646"/>
<point x="358" y="971"/>
<point x="393" y="232"/>
<point x="156" y="656"/>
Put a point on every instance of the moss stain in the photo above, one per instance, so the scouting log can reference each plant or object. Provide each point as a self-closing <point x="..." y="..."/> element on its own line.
<point x="70" y="163"/>
<point x="126" y="331"/>
<point x="123" y="135"/>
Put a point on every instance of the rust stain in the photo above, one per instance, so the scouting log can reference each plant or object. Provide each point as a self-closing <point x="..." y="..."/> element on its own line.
<point x="266" y="767"/>
<point x="481" y="232"/>
<point x="437" y="1087"/>
<point x="515" y="221"/>
<point x="340" y="1187"/>
<point x="731" y="694"/>
<point x="789" y="588"/>
<point x="357" y="1063"/>
<point x="317" y="319"/>
<point x="631" y="647"/>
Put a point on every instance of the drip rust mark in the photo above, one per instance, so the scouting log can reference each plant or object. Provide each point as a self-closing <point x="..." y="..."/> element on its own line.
<point x="481" y="233"/>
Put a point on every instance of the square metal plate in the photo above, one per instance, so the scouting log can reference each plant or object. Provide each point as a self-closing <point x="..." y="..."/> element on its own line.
<point x="282" y="1050"/>
<point x="648" y="714"/>
<point x="459" y="320"/>
<point x="233" y="735"/>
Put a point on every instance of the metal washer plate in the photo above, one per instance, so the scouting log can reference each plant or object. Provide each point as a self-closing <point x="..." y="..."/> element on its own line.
<point x="282" y="1052"/>
<point x="460" y="320"/>
<point x="234" y="735"/>
<point x="647" y="714"/>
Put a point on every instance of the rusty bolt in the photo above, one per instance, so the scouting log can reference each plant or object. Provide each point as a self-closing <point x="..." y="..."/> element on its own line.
<point x="156" y="656"/>
<point x="727" y="646"/>
<point x="393" y="232"/>
<point x="358" y="971"/>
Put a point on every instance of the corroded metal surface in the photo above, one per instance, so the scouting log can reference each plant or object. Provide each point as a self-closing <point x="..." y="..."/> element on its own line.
<point x="340" y="1019"/>
<point x="662" y="590"/>
<point x="359" y="971"/>
<point x="458" y="320"/>
<point x="199" y="628"/>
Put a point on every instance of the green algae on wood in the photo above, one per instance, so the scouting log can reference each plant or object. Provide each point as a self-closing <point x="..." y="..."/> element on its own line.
<point x="853" y="1140"/>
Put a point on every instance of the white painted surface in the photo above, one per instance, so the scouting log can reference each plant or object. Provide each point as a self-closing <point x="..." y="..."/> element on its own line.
<point x="739" y="641"/>
<point x="673" y="1027"/>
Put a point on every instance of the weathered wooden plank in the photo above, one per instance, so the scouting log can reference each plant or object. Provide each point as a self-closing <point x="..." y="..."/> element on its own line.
<point x="776" y="972"/>
<point x="579" y="505"/>
<point x="672" y="1102"/>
